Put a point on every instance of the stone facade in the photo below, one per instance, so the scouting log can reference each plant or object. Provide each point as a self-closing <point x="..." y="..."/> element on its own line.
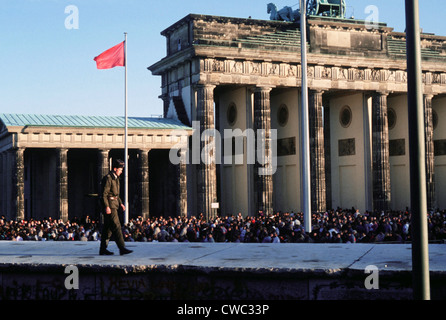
<point x="348" y="62"/>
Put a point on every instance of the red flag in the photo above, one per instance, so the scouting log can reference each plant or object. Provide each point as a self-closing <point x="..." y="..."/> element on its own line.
<point x="113" y="57"/>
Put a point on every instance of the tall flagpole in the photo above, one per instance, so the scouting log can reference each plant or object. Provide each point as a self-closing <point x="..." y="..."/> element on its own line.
<point x="305" y="131"/>
<point x="126" y="156"/>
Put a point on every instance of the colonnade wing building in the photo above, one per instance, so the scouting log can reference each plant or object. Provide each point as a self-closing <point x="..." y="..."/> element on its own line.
<point x="231" y="73"/>
<point x="51" y="166"/>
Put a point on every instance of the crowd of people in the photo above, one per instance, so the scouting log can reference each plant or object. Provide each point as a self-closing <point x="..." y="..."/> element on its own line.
<point x="334" y="226"/>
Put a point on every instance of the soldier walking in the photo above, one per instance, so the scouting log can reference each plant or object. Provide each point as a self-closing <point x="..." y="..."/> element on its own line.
<point x="111" y="204"/>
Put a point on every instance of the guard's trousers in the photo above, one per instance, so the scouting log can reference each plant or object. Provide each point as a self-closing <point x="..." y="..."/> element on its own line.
<point x="112" y="226"/>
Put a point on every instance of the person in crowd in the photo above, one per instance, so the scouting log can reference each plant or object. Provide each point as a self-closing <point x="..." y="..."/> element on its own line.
<point x="333" y="226"/>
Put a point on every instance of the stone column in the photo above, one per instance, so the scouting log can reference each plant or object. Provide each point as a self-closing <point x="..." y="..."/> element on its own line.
<point x="166" y="103"/>
<point x="262" y="121"/>
<point x="317" y="152"/>
<point x="143" y="170"/>
<point x="103" y="168"/>
<point x="327" y="146"/>
<point x="18" y="183"/>
<point x="207" y="173"/>
<point x="430" y="156"/>
<point x="62" y="183"/>
<point x="380" y="151"/>
<point x="182" y="185"/>
<point x="6" y="178"/>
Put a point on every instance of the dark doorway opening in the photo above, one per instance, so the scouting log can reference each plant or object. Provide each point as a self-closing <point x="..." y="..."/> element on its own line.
<point x="163" y="185"/>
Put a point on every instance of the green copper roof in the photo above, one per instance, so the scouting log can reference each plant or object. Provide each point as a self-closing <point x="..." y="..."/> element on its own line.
<point x="39" y="120"/>
<point x="398" y="47"/>
<point x="287" y="39"/>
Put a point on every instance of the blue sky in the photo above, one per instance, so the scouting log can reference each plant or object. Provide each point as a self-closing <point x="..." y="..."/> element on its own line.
<point x="47" y="68"/>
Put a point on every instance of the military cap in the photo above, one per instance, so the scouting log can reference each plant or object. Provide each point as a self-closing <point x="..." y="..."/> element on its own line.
<point x="118" y="164"/>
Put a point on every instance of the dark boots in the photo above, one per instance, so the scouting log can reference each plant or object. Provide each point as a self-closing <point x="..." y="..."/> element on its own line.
<point x="105" y="252"/>
<point x="124" y="251"/>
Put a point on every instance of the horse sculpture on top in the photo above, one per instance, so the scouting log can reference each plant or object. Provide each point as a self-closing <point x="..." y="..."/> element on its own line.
<point x="284" y="14"/>
<point x="327" y="8"/>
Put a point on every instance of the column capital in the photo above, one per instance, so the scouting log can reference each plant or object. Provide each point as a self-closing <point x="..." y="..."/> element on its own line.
<point x="16" y="150"/>
<point x="263" y="88"/>
<point x="429" y="95"/>
<point x="317" y="91"/>
<point x="62" y="149"/>
<point x="210" y="86"/>
<point x="382" y="92"/>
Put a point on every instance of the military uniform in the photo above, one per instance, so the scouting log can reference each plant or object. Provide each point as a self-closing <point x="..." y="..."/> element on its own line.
<point x="112" y="225"/>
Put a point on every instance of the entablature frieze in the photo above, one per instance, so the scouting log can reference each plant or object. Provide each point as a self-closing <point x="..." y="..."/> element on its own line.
<point x="137" y="139"/>
<point x="226" y="71"/>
